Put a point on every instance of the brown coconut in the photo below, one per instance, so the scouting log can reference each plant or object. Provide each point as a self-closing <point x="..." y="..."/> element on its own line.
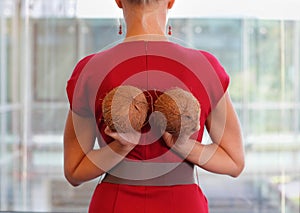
<point x="180" y="110"/>
<point x="125" y="109"/>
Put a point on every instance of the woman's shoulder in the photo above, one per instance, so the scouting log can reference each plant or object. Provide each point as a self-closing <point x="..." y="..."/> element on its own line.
<point x="213" y="60"/>
<point x="215" y="64"/>
<point x="208" y="55"/>
<point x="211" y="57"/>
<point x="84" y="60"/>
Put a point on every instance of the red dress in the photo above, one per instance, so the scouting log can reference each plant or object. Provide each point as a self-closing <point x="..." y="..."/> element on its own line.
<point x="152" y="66"/>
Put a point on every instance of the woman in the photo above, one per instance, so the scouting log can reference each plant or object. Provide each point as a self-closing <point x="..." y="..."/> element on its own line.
<point x="147" y="171"/>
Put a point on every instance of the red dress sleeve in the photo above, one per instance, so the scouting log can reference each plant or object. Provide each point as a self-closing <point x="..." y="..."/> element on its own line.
<point x="76" y="89"/>
<point x="222" y="76"/>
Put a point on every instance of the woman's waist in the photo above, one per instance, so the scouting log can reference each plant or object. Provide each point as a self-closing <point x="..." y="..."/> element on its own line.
<point x="151" y="173"/>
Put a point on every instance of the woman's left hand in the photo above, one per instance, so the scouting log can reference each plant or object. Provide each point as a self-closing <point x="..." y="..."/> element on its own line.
<point x="126" y="139"/>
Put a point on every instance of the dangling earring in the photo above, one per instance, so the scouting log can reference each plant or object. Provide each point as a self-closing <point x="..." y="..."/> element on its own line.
<point x="120" y="29"/>
<point x="169" y="30"/>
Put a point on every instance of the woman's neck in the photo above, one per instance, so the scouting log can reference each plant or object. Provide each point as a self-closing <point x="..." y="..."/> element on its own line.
<point x="138" y="28"/>
<point x="142" y="22"/>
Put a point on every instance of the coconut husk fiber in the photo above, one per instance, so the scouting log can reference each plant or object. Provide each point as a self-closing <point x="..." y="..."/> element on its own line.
<point x="125" y="109"/>
<point x="180" y="110"/>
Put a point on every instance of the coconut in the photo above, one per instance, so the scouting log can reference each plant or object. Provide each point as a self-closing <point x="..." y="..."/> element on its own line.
<point x="125" y="109"/>
<point x="178" y="112"/>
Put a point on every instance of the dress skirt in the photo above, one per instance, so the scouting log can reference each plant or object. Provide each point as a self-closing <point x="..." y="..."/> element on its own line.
<point x="121" y="198"/>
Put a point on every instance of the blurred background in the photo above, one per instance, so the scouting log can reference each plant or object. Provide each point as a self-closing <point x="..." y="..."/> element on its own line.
<point x="258" y="42"/>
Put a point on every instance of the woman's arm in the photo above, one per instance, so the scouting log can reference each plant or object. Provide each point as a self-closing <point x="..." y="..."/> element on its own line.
<point x="81" y="161"/>
<point x="226" y="154"/>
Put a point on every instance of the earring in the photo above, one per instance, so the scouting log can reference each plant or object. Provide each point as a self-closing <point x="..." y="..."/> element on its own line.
<point x="120" y="26"/>
<point x="169" y="30"/>
<point x="120" y="29"/>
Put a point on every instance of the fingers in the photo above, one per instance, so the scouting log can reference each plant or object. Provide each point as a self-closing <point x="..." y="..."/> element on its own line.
<point x="124" y="138"/>
<point x="171" y="140"/>
<point x="166" y="136"/>
<point x="109" y="132"/>
<point x="133" y="138"/>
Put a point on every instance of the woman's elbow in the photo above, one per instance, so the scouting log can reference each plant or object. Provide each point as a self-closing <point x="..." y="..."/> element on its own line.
<point x="238" y="169"/>
<point x="72" y="182"/>
<point x="70" y="178"/>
